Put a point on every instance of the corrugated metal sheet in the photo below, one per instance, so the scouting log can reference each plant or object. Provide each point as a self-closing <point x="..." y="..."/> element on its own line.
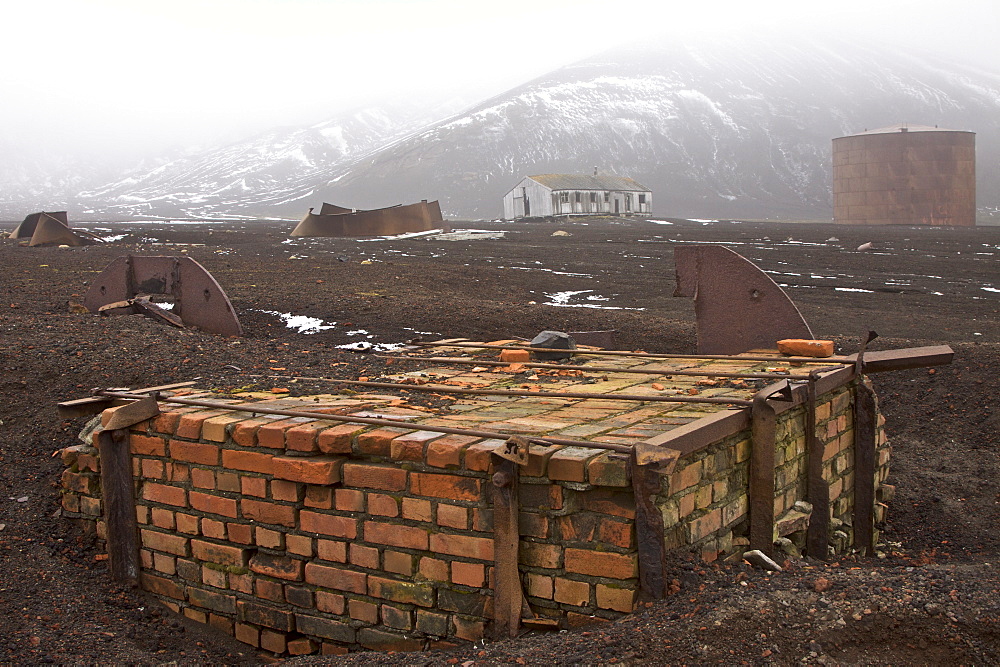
<point x="589" y="182"/>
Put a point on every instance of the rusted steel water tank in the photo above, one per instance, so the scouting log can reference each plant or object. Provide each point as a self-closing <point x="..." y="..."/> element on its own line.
<point x="905" y="175"/>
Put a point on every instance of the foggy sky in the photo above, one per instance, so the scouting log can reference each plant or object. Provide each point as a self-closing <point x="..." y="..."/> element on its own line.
<point x="125" y="76"/>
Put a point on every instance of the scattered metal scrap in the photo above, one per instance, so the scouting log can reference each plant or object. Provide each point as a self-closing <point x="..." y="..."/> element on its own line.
<point x="738" y="307"/>
<point x="338" y="221"/>
<point x="129" y="284"/>
<point x="51" y="229"/>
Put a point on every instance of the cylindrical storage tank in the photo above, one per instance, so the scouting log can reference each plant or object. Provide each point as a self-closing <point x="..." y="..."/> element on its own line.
<point x="901" y="175"/>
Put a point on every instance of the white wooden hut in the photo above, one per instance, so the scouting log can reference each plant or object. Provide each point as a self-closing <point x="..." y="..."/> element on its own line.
<point x="549" y="195"/>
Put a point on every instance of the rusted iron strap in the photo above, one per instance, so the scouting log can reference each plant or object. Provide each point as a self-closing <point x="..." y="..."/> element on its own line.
<point x="447" y="389"/>
<point x="366" y="420"/>
<point x="649" y="531"/>
<point x="864" y="468"/>
<point x="608" y="369"/>
<point x="763" y="428"/>
<point x="119" y="504"/>
<point x="507" y="594"/>
<point x="652" y="355"/>
<point x="818" y="490"/>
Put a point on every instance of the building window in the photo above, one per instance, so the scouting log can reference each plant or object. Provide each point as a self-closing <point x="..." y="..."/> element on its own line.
<point x="593" y="197"/>
<point x="578" y="197"/>
<point x="607" y="197"/>
<point x="642" y="199"/>
<point x="564" y="197"/>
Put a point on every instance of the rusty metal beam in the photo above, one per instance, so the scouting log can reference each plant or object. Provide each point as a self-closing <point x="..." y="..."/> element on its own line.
<point x="508" y="597"/>
<point x="865" y="416"/>
<point x="83" y="407"/>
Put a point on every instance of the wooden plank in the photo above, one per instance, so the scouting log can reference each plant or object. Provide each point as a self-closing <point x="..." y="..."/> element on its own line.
<point x="818" y="489"/>
<point x="507" y="593"/>
<point x="649" y="531"/>
<point x="119" y="505"/>
<point x="864" y="468"/>
<point x="911" y="357"/>
<point x="762" y="472"/>
<point x="91" y="405"/>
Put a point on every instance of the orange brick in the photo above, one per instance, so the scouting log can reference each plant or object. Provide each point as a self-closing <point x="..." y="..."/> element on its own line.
<point x="706" y="525"/>
<point x="146" y="445"/>
<point x="406" y="592"/>
<point x="275" y="642"/>
<point x="608" y="470"/>
<point x="468" y="574"/>
<point x="213" y="504"/>
<point x="800" y="347"/>
<point x="330" y="603"/>
<point x="445" y="486"/>
<point x="253" y="486"/>
<point x="194" y="452"/>
<point x="572" y="592"/>
<point x="248" y="634"/>
<point x="212" y="577"/>
<point x="162" y="518"/>
<point x="270" y="513"/>
<point x="223" y="554"/>
<point x="328" y="524"/>
<point x="416" y="509"/>
<point x="216" y="429"/>
<point x="538" y="459"/>
<point x="227" y="481"/>
<point x="337" y="578"/>
<point x="406" y="537"/>
<point x="540" y="586"/>
<point x="300" y="545"/>
<point x="601" y="563"/>
<point x="434" y="569"/>
<point x="269" y="590"/>
<point x="267" y="538"/>
<point x="515" y="356"/>
<point x="189" y="425"/>
<point x="349" y="500"/>
<point x="303" y="438"/>
<point x="321" y="470"/>
<point x="397" y="562"/>
<point x="245" y="432"/>
<point x="338" y="439"/>
<point x="272" y="434"/>
<point x="477" y="456"/>
<point x="363" y="556"/>
<point x="178" y="472"/>
<point x="616" y="533"/>
<point x="152" y="469"/>
<point x="286" y="491"/>
<point x="363" y="611"/>
<point x="279" y="567"/>
<point x="332" y="551"/>
<point x="462" y="545"/>
<point x="240" y="533"/>
<point x="616" y="599"/>
<point x="302" y="646"/>
<point x="165" y="542"/>
<point x="214" y="529"/>
<point x="378" y="442"/>
<point x="447" y="451"/>
<point x="165" y="422"/>
<point x="382" y="505"/>
<point x="410" y="447"/>
<point x="161" y="586"/>
<point x="235" y="459"/>
<point x="570" y="464"/>
<point x="536" y="554"/>
<point x="320" y="497"/>
<point x="452" y="516"/>
<point x="167" y="495"/>
<point x="202" y="478"/>
<point x="386" y="478"/>
<point x="187" y="523"/>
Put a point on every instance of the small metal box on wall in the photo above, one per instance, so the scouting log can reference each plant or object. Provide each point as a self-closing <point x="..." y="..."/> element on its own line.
<point x="905" y="175"/>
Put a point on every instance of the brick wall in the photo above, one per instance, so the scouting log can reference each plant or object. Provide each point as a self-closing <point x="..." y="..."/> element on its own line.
<point x="304" y="536"/>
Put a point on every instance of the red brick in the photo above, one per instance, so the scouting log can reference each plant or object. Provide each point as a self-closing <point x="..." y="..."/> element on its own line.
<point x="337" y="578"/>
<point x="248" y="634"/>
<point x="272" y="434"/>
<point x="240" y="533"/>
<point x="161" y="586"/>
<point x="214" y="529"/>
<point x="87" y="462"/>
<point x="406" y="537"/>
<point x="144" y="445"/>
<point x="270" y="513"/>
<point x="706" y="525"/>
<point x="378" y="442"/>
<point x="213" y="504"/>
<point x="536" y="554"/>
<point x="235" y="459"/>
<point x="335" y="552"/>
<point x="515" y="356"/>
<point x="607" y="501"/>
<point x="469" y="629"/>
<point x="178" y="472"/>
<point x="245" y="432"/>
<point x="540" y="586"/>
<point x="167" y="495"/>
<point x="447" y="451"/>
<point x="212" y="577"/>
<point x="462" y="545"/>
<point x="162" y="518"/>
<point x="349" y="500"/>
<point x="165" y="542"/>
<point x="286" y="491"/>
<point x="265" y="615"/>
<point x="608" y="470"/>
<point x="160" y="562"/>
<point x="275" y="642"/>
<point x="570" y="464"/>
<point x="478" y="455"/>
<point x="303" y="438"/>
<point x="533" y="524"/>
<point x="572" y="592"/>
<point x="338" y="439"/>
<point x="541" y="496"/>
<point x="800" y="347"/>
<point x="616" y="533"/>
<point x="434" y="569"/>
<point x="395" y="617"/>
<point x="406" y="592"/>
<point x="452" y="487"/>
<point x="328" y="524"/>
<point x="616" y="599"/>
<point x="165" y="422"/>
<point x="194" y="452"/>
<point x="202" y="478"/>
<point x="320" y="497"/>
<point x="397" y="562"/>
<point x="538" y="458"/>
<point x="416" y="509"/>
<point x="366" y="612"/>
<point x="189" y="425"/>
<point x="227" y="481"/>
<point x="319" y="470"/>
<point x="152" y="469"/>
<point x="601" y="563"/>
<point x="187" y="523"/>
<point x="386" y="478"/>
<point x="452" y="516"/>
<point x="468" y="574"/>
<point x="302" y="646"/>
<point x="330" y="603"/>
<point x="85" y="483"/>
<point x="410" y="447"/>
<point x="279" y="567"/>
<point x="382" y="505"/>
<point x="269" y="539"/>
<point x="363" y="556"/>
<point x="253" y="486"/>
<point x="223" y="554"/>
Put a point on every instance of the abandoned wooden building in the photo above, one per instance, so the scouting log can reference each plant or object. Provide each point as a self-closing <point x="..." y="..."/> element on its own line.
<point x="548" y="195"/>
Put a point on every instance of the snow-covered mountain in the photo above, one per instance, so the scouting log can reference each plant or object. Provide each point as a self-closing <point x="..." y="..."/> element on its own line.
<point x="715" y="129"/>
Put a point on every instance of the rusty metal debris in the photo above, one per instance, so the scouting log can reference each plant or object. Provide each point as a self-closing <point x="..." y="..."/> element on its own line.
<point x="51" y="228"/>
<point x="738" y="307"/>
<point x="344" y="222"/>
<point x="129" y="282"/>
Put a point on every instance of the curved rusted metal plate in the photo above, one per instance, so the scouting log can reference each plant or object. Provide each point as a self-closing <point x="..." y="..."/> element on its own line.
<point x="420" y="217"/>
<point x="738" y="307"/>
<point x="198" y="299"/>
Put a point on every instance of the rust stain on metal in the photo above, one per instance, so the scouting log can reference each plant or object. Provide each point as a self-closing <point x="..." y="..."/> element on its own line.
<point x="198" y="299"/>
<point x="51" y="229"/>
<point x="738" y="307"/>
<point x="344" y="222"/>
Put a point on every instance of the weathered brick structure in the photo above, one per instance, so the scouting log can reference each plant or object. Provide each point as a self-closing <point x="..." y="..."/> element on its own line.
<point x="301" y="535"/>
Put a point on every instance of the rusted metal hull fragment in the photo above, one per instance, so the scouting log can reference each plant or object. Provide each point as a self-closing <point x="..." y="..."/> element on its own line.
<point x="340" y="222"/>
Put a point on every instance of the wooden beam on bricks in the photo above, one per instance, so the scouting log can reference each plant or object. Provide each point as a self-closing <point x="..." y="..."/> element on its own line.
<point x="818" y="489"/>
<point x="763" y="429"/>
<point x="119" y="504"/>
<point x="865" y="416"/>
<point x="649" y="530"/>
<point x="507" y="594"/>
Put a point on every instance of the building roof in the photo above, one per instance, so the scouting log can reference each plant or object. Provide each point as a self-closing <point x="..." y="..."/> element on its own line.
<point x="589" y="182"/>
<point x="904" y="127"/>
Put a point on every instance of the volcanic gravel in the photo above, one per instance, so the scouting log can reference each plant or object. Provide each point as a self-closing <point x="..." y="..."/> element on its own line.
<point x="931" y="596"/>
